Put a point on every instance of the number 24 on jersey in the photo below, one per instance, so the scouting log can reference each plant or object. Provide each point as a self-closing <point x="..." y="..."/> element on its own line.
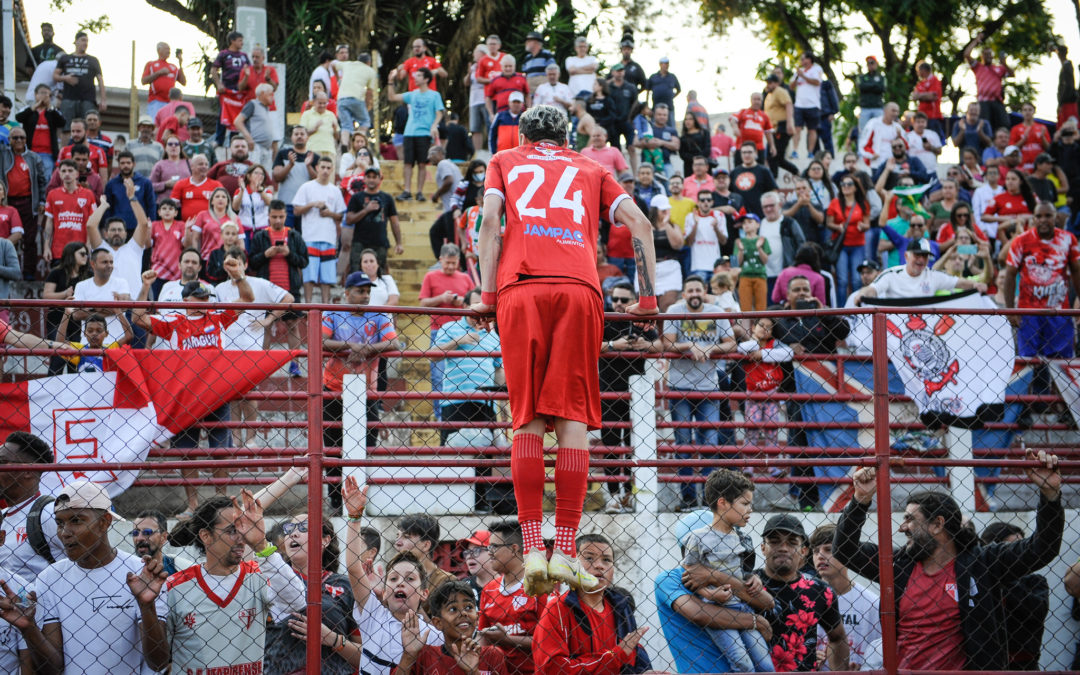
<point x="560" y="198"/>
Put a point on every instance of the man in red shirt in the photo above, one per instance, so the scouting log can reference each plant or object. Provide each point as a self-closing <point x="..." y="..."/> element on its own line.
<point x="927" y="93"/>
<point x="491" y="65"/>
<point x="1030" y="136"/>
<point x="421" y="58"/>
<point x="99" y="162"/>
<point x="755" y="127"/>
<point x="988" y="77"/>
<point x="67" y="208"/>
<point x="193" y="193"/>
<point x="550" y="316"/>
<point x="162" y="76"/>
<point x="948" y="586"/>
<point x="444" y="287"/>
<point x="256" y="73"/>
<point x="505" y="83"/>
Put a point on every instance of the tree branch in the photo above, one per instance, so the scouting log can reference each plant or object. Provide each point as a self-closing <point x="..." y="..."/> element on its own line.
<point x="180" y="11"/>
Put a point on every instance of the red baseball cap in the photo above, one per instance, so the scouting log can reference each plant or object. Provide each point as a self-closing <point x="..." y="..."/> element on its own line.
<point x="479" y="538"/>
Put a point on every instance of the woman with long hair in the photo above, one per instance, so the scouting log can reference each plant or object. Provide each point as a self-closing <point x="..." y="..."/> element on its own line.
<point x="1012" y="209"/>
<point x="969" y="163"/>
<point x="848" y="216"/>
<point x="599" y="105"/>
<point x="252" y="201"/>
<point x="170" y="169"/>
<point x="60" y="285"/>
<point x="385" y="291"/>
<point x="694" y="141"/>
<point x="203" y="232"/>
<point x="821" y="188"/>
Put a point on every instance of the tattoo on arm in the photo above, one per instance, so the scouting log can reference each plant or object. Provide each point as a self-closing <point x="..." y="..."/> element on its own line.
<point x="644" y="273"/>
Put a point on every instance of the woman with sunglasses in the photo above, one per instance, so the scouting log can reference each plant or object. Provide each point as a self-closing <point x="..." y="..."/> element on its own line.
<point x="848" y="216"/>
<point x="959" y="262"/>
<point x="285" y="638"/>
<point x="170" y="169"/>
<point x="960" y="218"/>
<point x="60" y="285"/>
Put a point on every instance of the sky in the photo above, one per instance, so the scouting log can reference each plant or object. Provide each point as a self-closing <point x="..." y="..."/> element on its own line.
<point x="722" y="71"/>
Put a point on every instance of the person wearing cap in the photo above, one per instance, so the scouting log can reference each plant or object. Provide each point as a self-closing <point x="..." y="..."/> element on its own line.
<point x="635" y="74"/>
<point x="949" y="586"/>
<point x="197" y="143"/>
<point x="581" y="67"/>
<point x="1030" y="136"/>
<point x="798" y="594"/>
<point x="662" y="86"/>
<point x="366" y="219"/>
<point x="478" y="561"/>
<point x="147" y="151"/>
<point x="508" y="616"/>
<point x="536" y="60"/>
<point x="913" y="279"/>
<point x="46" y="50"/>
<point x="99" y="609"/>
<point x="871" y="88"/>
<point x="505" y="84"/>
<point x="354" y="338"/>
<point x="1047" y="180"/>
<point x="553" y="92"/>
<point x="78" y="71"/>
<point x="503" y="134"/>
<point x="972" y="132"/>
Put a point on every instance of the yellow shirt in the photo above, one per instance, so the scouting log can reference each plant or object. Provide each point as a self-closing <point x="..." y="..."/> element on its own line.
<point x="680" y="209"/>
<point x="322" y="141"/>
<point x="776" y="104"/>
<point x="88" y="363"/>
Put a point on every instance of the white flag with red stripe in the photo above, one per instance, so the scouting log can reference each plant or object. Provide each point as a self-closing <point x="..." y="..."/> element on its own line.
<point x="144" y="398"/>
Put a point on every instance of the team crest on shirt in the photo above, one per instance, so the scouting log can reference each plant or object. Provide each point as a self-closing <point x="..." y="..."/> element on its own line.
<point x="519" y="601"/>
<point x="189" y="620"/>
<point x="247" y="616"/>
<point x="82" y="202"/>
<point x="334" y="591"/>
<point x="950" y="590"/>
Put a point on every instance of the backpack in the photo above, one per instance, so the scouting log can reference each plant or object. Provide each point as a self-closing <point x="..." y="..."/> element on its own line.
<point x="34" y="533"/>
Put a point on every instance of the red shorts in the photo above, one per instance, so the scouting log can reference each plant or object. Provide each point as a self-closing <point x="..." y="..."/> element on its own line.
<point x="550" y="335"/>
<point x="1065" y="112"/>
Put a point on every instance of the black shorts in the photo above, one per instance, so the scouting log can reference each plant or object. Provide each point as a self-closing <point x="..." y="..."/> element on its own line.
<point x="416" y="148"/>
<point x="807" y="117"/>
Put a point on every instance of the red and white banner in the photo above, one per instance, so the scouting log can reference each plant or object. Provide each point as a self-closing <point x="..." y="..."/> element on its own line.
<point x="144" y="398"/>
<point x="950" y="363"/>
<point x="1066" y="374"/>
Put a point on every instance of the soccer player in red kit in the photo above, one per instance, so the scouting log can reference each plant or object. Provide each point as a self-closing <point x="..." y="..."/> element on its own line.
<point x="540" y="282"/>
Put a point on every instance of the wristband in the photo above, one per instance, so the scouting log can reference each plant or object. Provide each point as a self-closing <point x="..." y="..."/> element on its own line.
<point x="267" y="552"/>
<point x="355" y="519"/>
<point x="647" y="302"/>
<point x="488" y="298"/>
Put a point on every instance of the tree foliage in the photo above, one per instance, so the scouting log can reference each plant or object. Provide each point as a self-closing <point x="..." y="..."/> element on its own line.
<point x="904" y="32"/>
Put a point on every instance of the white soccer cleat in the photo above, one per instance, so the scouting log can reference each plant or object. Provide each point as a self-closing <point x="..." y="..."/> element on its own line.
<point x="569" y="571"/>
<point x="535" y="580"/>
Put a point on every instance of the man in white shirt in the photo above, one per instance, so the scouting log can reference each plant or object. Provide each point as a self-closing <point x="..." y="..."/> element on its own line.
<point x="914" y="279"/>
<point x="807" y="86"/>
<point x="102" y="287"/>
<point x="581" y="67"/>
<point x="923" y="144"/>
<point x="553" y="92"/>
<point x="31" y="544"/>
<point x="127" y="253"/>
<point x="97" y="611"/>
<point x="320" y="204"/>
<point x="983" y="196"/>
<point x="875" y="141"/>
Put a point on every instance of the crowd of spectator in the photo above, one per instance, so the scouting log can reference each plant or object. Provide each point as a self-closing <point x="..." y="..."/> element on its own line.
<point x="250" y="215"/>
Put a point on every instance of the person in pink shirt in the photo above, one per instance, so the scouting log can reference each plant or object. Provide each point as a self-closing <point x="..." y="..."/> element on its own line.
<point x="204" y="231"/>
<point x="807" y="263"/>
<point x="722" y="144"/>
<point x="988" y="77"/>
<point x="603" y="154"/>
<point x="698" y="180"/>
<point x="167" y="242"/>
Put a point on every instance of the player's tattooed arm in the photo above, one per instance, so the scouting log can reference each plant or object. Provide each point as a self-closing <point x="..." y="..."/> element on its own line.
<point x="644" y="269"/>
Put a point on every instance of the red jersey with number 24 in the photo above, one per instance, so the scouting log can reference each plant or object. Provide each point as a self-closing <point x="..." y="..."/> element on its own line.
<point x="1044" y="268"/>
<point x="553" y="198"/>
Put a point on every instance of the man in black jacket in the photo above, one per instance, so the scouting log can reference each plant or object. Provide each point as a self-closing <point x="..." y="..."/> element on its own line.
<point x="953" y="618"/>
<point x="279" y="255"/>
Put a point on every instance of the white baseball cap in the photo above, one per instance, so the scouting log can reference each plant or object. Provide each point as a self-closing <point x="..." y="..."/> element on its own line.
<point x="84" y="494"/>
<point x="660" y="202"/>
<point x="517" y="96"/>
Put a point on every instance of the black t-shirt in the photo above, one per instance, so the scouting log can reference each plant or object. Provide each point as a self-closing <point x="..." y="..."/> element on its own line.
<point x="751" y="183"/>
<point x="1043" y="188"/>
<point x="622" y="99"/>
<point x="59" y="276"/>
<point x="600" y="109"/>
<point x="664" y="249"/>
<point x="84" y="67"/>
<point x="370" y="231"/>
<point x="800" y="606"/>
<point x="285" y="653"/>
<point x="615" y="372"/>
<point x="458" y="146"/>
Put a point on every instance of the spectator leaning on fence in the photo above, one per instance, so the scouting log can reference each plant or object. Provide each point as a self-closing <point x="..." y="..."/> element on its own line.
<point x="948" y="586"/>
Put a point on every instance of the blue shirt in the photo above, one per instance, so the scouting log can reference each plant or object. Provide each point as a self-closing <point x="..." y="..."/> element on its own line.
<point x="690" y="644"/>
<point x="465" y="374"/>
<point x="422" y="108"/>
<point x="120" y="207"/>
<point x="366" y="329"/>
<point x="664" y="89"/>
<point x="532" y="66"/>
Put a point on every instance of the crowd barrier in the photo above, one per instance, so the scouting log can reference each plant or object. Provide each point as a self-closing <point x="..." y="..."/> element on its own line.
<point x="829" y="414"/>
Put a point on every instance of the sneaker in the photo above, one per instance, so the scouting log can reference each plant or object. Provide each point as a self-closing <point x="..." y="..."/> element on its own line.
<point x="535" y="579"/>
<point x="294" y="369"/>
<point x="614" y="505"/>
<point x="419" y="197"/>
<point x="570" y="572"/>
<point x="794" y="154"/>
<point x="404" y="197"/>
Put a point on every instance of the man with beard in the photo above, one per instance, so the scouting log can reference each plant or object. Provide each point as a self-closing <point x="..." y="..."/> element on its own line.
<point x="230" y="172"/>
<point x="900" y="163"/>
<point x="802" y="602"/>
<point x="99" y="163"/>
<point x="122" y="200"/>
<point x="149" y="533"/>
<point x="948" y="585"/>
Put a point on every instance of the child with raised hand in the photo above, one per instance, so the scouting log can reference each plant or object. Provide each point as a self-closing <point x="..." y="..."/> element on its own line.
<point x="763" y="375"/>
<point x="725" y="558"/>
<point x="453" y="612"/>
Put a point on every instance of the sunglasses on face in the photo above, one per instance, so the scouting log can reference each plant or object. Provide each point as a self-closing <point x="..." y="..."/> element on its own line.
<point x="621" y="301"/>
<point x="145" y="532"/>
<point x="847" y="183"/>
<point x="289" y="528"/>
<point x="172" y="145"/>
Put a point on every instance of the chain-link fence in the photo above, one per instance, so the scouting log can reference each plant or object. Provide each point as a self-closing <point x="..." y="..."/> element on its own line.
<point x="797" y="407"/>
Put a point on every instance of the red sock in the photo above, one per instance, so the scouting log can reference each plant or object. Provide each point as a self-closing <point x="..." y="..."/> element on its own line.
<point x="571" y="483"/>
<point x="527" y="471"/>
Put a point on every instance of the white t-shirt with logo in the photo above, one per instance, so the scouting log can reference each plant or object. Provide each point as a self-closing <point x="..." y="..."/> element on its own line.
<point x="88" y="290"/>
<point x="97" y="613"/>
<point x="382" y="637"/>
<point x="706" y="247"/>
<point x="895" y="282"/>
<point x="17" y="555"/>
<point x="809" y="95"/>
<point x="862" y="623"/>
<point x="245" y="333"/>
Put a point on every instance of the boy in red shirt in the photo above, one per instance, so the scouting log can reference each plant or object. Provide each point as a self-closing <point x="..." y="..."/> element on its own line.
<point x="453" y="611"/>
<point x="508" y="616"/>
<point x="591" y="633"/>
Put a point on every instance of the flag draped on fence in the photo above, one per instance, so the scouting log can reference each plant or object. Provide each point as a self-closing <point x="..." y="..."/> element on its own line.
<point x="144" y="398"/>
